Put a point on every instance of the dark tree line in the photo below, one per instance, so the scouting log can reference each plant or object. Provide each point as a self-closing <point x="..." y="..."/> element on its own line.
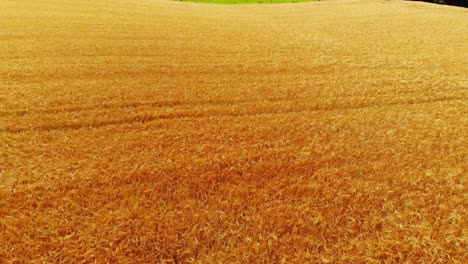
<point x="449" y="2"/>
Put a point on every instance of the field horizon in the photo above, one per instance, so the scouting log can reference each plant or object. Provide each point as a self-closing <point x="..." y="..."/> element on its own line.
<point x="246" y="1"/>
<point x="153" y="131"/>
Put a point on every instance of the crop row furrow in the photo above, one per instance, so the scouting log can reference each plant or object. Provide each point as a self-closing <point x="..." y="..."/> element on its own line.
<point x="148" y="117"/>
<point x="168" y="103"/>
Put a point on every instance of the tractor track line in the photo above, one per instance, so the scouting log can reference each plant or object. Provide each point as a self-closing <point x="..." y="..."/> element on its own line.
<point x="149" y="118"/>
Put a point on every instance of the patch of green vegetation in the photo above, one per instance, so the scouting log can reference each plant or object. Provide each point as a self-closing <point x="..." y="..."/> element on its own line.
<point x="247" y="1"/>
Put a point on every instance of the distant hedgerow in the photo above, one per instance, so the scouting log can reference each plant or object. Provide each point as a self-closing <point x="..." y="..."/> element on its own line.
<point x="448" y="2"/>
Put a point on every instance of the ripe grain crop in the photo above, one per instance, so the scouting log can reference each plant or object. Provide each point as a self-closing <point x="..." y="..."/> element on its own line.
<point x="150" y="131"/>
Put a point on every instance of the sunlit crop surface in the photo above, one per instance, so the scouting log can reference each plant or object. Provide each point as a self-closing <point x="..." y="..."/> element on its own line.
<point x="149" y="131"/>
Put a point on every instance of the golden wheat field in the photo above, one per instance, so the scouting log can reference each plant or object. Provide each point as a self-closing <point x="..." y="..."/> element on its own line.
<point x="156" y="131"/>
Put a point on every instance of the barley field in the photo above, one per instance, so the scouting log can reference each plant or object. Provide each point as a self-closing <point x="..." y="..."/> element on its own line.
<point x="157" y="131"/>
